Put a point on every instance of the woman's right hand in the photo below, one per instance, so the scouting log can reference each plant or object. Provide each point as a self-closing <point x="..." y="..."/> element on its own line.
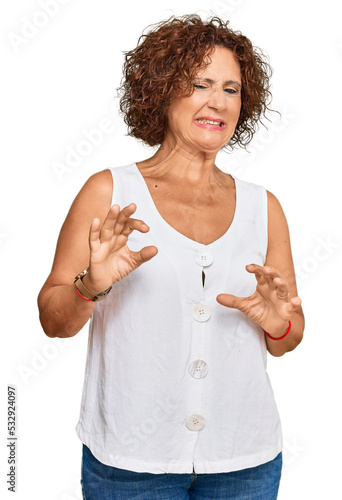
<point x="110" y="257"/>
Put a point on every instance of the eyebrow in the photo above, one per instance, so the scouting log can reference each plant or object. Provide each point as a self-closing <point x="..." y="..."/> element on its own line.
<point x="228" y="82"/>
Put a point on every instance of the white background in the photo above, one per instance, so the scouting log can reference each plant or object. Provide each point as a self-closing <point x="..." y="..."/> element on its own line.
<point x="60" y="81"/>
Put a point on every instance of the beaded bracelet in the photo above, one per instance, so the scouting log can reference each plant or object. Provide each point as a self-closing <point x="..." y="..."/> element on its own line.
<point x="279" y="338"/>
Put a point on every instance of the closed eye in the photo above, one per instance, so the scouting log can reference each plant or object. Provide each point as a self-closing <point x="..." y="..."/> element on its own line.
<point x="199" y="86"/>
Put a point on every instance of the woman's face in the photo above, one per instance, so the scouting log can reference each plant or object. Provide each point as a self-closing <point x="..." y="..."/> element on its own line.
<point x="205" y="121"/>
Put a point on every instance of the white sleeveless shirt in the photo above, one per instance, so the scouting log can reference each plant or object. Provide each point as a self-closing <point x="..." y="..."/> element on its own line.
<point x="174" y="381"/>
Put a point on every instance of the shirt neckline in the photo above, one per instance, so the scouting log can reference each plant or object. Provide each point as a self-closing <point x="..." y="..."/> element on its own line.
<point x="174" y="231"/>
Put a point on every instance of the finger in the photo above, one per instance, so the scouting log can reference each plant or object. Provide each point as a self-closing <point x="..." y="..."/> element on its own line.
<point x="94" y="234"/>
<point x="294" y="304"/>
<point x="123" y="217"/>
<point x="134" y="224"/>
<point x="258" y="273"/>
<point x="272" y="272"/>
<point x="264" y="274"/>
<point x="282" y="289"/>
<point x="107" y="229"/>
<point x="269" y="271"/>
<point x="254" y="268"/>
<point x="228" y="300"/>
<point x="145" y="254"/>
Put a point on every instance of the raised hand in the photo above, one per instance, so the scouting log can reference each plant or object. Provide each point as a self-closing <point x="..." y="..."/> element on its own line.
<point x="270" y="306"/>
<point x="110" y="258"/>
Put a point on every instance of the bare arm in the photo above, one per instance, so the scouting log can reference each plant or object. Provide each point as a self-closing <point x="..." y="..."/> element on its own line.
<point x="279" y="257"/>
<point x="93" y="235"/>
<point x="275" y="300"/>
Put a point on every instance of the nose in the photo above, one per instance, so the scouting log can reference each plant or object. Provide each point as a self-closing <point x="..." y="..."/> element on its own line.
<point x="217" y="100"/>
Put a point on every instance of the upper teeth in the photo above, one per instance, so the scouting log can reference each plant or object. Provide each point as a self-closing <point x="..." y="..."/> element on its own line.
<point x="210" y="122"/>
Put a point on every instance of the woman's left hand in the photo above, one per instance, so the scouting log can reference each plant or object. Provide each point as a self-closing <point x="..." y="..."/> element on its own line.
<point x="270" y="305"/>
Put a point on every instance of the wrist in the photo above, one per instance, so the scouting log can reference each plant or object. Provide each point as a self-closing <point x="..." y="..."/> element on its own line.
<point x="282" y="336"/>
<point x="88" y="294"/>
<point x="94" y="290"/>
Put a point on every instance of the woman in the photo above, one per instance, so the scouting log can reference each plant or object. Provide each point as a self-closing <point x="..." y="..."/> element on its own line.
<point x="176" y="400"/>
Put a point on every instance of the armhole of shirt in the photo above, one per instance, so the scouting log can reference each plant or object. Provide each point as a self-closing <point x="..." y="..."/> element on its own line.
<point x="121" y="179"/>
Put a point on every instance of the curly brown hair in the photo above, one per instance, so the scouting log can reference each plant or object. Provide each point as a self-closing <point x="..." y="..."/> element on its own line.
<point x="164" y="64"/>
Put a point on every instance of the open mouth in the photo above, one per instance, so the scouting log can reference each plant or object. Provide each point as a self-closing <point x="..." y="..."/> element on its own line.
<point x="210" y="123"/>
<point x="204" y="121"/>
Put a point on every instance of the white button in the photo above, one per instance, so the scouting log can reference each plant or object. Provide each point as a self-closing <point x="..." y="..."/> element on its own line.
<point x="195" y="422"/>
<point x="201" y="311"/>
<point x="204" y="259"/>
<point x="198" y="368"/>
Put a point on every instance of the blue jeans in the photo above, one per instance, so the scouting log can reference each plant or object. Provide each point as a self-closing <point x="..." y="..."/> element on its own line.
<point x="102" y="482"/>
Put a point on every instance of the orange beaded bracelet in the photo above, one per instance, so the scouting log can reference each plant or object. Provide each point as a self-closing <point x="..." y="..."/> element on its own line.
<point x="279" y="338"/>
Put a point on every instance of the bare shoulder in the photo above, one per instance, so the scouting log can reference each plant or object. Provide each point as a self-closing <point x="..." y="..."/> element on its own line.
<point x="99" y="187"/>
<point x="277" y="223"/>
<point x="93" y="200"/>
<point x="273" y="203"/>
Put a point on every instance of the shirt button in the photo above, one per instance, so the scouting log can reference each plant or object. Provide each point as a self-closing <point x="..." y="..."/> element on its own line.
<point x="195" y="422"/>
<point x="198" y="368"/>
<point x="204" y="259"/>
<point x="201" y="311"/>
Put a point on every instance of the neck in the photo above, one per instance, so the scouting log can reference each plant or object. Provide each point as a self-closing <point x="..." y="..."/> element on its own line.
<point x="181" y="164"/>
